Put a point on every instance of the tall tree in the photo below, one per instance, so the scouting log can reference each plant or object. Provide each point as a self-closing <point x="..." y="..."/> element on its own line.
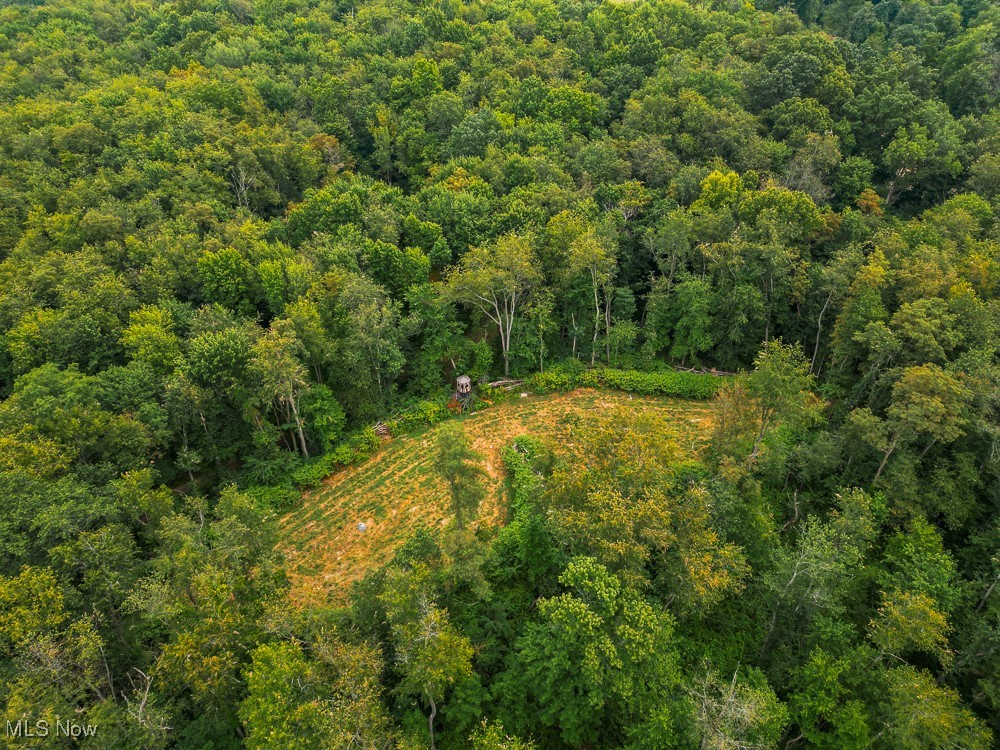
<point x="496" y="280"/>
<point x="927" y="401"/>
<point x="431" y="654"/>
<point x="330" y="697"/>
<point x="598" y="663"/>
<point x="283" y="377"/>
<point x="590" y="256"/>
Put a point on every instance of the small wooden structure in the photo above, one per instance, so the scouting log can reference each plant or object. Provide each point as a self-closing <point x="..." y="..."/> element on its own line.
<point x="463" y="390"/>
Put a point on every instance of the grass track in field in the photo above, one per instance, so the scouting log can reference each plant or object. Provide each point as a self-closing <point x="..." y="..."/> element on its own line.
<point x="396" y="490"/>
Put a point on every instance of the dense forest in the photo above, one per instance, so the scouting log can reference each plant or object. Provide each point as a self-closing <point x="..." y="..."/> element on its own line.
<point x="237" y="234"/>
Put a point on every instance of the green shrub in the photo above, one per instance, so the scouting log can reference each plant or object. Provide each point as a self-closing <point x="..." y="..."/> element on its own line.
<point x="552" y="381"/>
<point x="524" y="549"/>
<point x="422" y="414"/>
<point x="494" y="395"/>
<point x="669" y="383"/>
<point x="662" y="383"/>
<point x="354" y="450"/>
<point x="279" y="498"/>
<point x="365" y="442"/>
<point x="524" y="482"/>
<point x="314" y="471"/>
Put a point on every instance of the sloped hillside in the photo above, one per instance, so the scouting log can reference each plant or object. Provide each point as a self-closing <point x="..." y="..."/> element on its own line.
<point x="396" y="490"/>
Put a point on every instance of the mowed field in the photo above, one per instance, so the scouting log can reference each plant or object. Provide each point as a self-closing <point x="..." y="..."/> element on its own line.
<point x="396" y="490"/>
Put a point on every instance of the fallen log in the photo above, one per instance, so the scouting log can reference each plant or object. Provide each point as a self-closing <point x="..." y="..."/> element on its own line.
<point x="507" y="384"/>
<point x="703" y="371"/>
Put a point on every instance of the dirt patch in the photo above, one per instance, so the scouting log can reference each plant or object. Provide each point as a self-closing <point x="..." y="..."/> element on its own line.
<point x="396" y="490"/>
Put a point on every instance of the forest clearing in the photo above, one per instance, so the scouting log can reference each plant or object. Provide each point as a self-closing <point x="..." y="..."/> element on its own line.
<point x="396" y="490"/>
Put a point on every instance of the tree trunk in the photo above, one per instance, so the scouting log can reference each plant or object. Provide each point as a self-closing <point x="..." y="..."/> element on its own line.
<point x="298" y="424"/>
<point x="885" y="458"/>
<point x="184" y="447"/>
<point x="607" y="325"/>
<point x="927" y="448"/>
<point x="758" y="442"/>
<point x="891" y="194"/>
<point x="211" y="444"/>
<point x="505" y="323"/>
<point x="986" y="596"/>
<point x="819" y="331"/>
<point x="430" y="719"/>
<point x="597" y="320"/>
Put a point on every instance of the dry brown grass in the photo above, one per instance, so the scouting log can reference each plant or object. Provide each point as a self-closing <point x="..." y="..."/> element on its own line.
<point x="396" y="490"/>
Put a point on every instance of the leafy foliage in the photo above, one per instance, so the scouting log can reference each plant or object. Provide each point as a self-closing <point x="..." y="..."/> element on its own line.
<point x="237" y="237"/>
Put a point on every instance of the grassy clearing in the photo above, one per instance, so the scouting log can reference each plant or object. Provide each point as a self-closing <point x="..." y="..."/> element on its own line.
<point x="396" y="490"/>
